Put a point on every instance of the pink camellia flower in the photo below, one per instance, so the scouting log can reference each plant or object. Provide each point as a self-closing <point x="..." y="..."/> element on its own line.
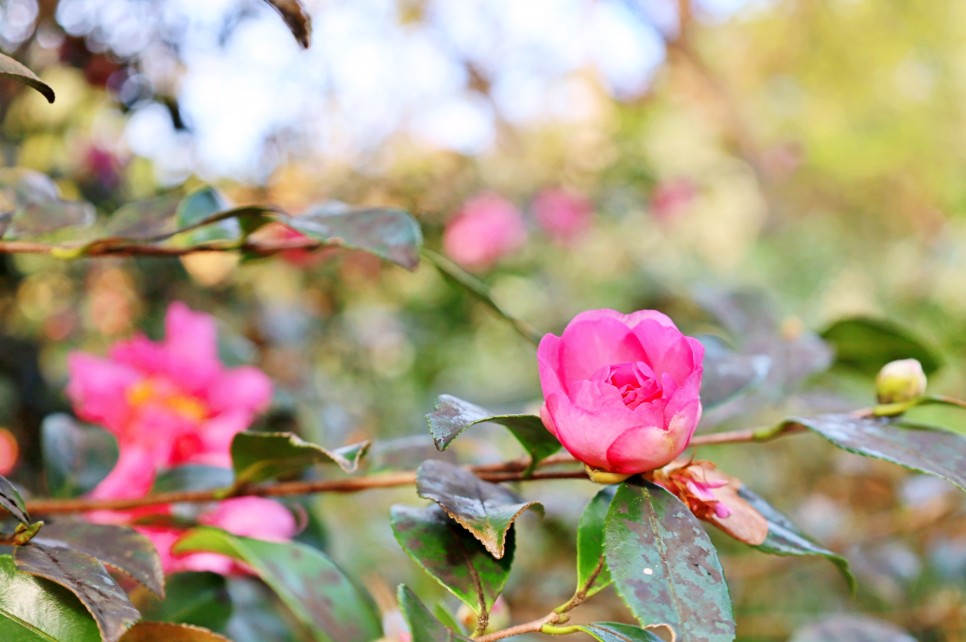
<point x="562" y="214"/>
<point x="621" y="391"/>
<point x="246" y="516"/>
<point x="168" y="403"/>
<point x="486" y="229"/>
<point x="172" y="403"/>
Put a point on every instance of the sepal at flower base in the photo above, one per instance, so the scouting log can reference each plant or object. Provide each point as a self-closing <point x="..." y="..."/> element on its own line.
<point x="713" y="496"/>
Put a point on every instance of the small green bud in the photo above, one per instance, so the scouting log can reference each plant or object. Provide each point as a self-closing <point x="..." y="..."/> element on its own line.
<point x="603" y="477"/>
<point x="900" y="381"/>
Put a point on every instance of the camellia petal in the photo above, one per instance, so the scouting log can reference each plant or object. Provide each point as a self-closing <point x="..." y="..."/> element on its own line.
<point x="586" y="346"/>
<point x="98" y="389"/>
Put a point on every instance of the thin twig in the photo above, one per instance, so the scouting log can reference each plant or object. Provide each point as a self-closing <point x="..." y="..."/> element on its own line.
<point x="533" y="626"/>
<point x="107" y="247"/>
<point x="350" y="485"/>
<point x="510" y="471"/>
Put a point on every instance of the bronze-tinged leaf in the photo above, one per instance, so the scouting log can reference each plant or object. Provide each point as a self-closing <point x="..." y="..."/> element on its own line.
<point x="14" y="69"/>
<point x="170" y="632"/>
<point x="12" y="502"/>
<point x="33" y="609"/>
<point x="784" y="538"/>
<point x="452" y="416"/>
<point x="120" y="547"/>
<point x="257" y="456"/>
<point x="485" y="509"/>
<point x="452" y="556"/>
<point x="86" y="578"/>
<point x="935" y="452"/>
<point x="296" y="18"/>
<point x="664" y="566"/>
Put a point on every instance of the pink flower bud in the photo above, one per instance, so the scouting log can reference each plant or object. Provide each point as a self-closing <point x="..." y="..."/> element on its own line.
<point x="621" y="391"/>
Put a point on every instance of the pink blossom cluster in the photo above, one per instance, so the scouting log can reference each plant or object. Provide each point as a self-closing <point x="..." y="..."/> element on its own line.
<point x="489" y="227"/>
<point x="172" y="403"/>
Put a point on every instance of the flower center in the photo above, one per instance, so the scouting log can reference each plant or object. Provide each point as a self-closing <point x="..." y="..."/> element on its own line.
<point x="162" y="393"/>
<point x="635" y="382"/>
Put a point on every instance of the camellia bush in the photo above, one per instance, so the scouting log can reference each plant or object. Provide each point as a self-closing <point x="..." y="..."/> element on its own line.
<point x="156" y="487"/>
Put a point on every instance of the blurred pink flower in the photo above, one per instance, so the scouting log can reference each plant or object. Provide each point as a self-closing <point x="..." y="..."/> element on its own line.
<point x="171" y="403"/>
<point x="562" y="214"/>
<point x="246" y="516"/>
<point x="487" y="228"/>
<point x="168" y="402"/>
<point x="670" y="198"/>
<point x="9" y="452"/>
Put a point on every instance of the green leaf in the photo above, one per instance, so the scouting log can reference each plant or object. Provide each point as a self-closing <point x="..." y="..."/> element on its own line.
<point x="450" y="554"/>
<point x="936" y="452"/>
<point x="12" y="502"/>
<point x="854" y="628"/>
<point x="31" y="205"/>
<point x="390" y="234"/>
<point x="592" y="572"/>
<point x="664" y="566"/>
<point x="76" y="457"/>
<point x="486" y="510"/>
<point x="452" y="416"/>
<point x="728" y="374"/>
<point x="457" y="275"/>
<point x="168" y="632"/>
<point x="192" y="477"/>
<point x="33" y="608"/>
<point x="13" y="69"/>
<point x="120" y="547"/>
<point x="259" y="616"/>
<point x="86" y="578"/>
<point x="296" y="19"/>
<point x="145" y="220"/>
<point x="200" y="599"/>
<point x="617" y="632"/>
<point x="423" y="625"/>
<point x="784" y="538"/>
<point x="316" y="591"/>
<point x="257" y="456"/>
<point x="866" y="344"/>
<point x="197" y="221"/>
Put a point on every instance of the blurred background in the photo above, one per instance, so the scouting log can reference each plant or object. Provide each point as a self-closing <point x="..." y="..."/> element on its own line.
<point x="759" y="169"/>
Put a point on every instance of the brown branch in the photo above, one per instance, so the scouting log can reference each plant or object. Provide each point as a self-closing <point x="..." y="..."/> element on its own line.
<point x="533" y="626"/>
<point x="350" y="485"/>
<point x="510" y="471"/>
<point x="107" y="247"/>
